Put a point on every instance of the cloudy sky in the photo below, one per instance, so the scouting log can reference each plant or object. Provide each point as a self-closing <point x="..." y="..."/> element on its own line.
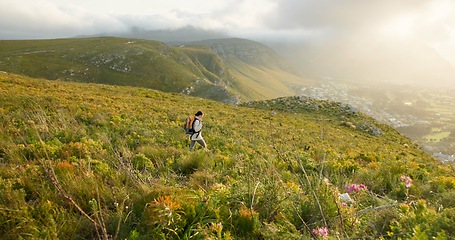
<point x="429" y="21"/>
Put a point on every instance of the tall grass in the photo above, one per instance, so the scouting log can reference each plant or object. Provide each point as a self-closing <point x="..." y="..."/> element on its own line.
<point x="83" y="161"/>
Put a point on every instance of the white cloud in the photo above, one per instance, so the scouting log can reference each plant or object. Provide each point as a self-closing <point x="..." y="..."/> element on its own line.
<point x="43" y="19"/>
<point x="66" y="18"/>
<point x="419" y="19"/>
<point x="365" y="19"/>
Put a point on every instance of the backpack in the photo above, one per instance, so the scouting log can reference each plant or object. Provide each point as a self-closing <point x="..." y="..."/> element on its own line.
<point x="188" y="126"/>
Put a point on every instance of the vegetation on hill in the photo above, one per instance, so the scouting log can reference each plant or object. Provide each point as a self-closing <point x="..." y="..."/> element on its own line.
<point x="117" y="61"/>
<point x="259" y="73"/>
<point x="196" y="70"/>
<point x="85" y="161"/>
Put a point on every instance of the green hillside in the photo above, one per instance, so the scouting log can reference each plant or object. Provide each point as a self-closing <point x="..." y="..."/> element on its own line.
<point x="115" y="61"/>
<point x="259" y="73"/>
<point x="93" y="161"/>
<point x="194" y="70"/>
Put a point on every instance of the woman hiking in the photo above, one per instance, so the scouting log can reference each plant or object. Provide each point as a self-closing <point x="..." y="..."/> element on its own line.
<point x="197" y="127"/>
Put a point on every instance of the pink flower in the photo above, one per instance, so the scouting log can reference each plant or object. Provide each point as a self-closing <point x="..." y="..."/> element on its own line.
<point x="407" y="181"/>
<point x="355" y="187"/>
<point x="322" y="232"/>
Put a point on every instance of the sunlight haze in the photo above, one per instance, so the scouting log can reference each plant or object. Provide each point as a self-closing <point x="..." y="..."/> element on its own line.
<point x="335" y="32"/>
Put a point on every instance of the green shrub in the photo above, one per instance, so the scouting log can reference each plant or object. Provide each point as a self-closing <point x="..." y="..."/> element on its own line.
<point x="446" y="223"/>
<point x="190" y="163"/>
<point x="246" y="222"/>
<point x="162" y="158"/>
<point x="142" y="163"/>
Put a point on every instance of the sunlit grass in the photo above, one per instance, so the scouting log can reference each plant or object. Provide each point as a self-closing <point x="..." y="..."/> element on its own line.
<point x="92" y="161"/>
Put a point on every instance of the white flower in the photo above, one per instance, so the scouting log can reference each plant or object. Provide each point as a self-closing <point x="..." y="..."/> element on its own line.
<point x="345" y="198"/>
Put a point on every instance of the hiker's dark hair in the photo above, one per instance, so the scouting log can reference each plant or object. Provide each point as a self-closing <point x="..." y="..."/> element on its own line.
<point x="199" y="113"/>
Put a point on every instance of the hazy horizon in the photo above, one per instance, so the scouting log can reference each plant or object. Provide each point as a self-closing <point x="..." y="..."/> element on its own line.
<point x="366" y="40"/>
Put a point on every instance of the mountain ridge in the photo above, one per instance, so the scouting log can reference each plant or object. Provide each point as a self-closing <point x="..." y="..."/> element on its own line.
<point x="195" y="70"/>
<point x="257" y="68"/>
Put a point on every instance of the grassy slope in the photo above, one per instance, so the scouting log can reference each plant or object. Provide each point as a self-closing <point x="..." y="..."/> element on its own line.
<point x="195" y="70"/>
<point x="258" y="72"/>
<point x="273" y="170"/>
<point x="115" y="61"/>
<point x="259" y="83"/>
